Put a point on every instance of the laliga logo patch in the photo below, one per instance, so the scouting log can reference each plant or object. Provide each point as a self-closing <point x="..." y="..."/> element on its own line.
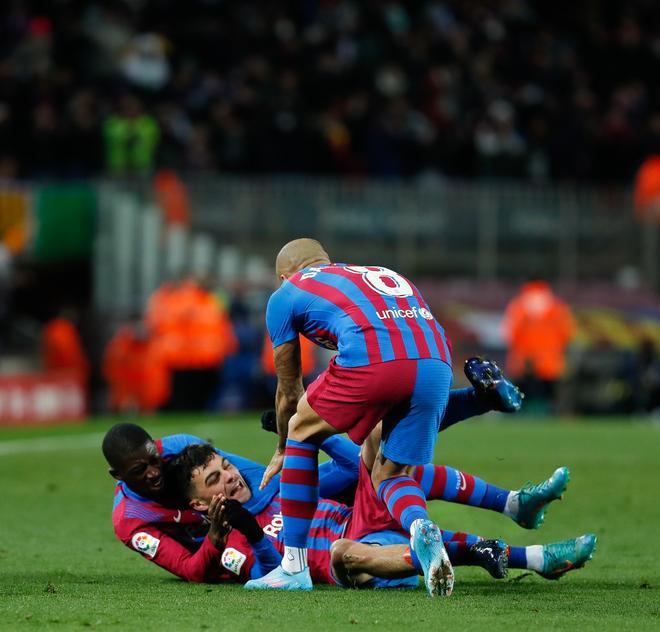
<point x="145" y="543"/>
<point x="233" y="560"/>
<point x="424" y="313"/>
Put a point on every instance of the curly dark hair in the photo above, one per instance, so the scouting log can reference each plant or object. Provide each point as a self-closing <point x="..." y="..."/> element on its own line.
<point x="179" y="470"/>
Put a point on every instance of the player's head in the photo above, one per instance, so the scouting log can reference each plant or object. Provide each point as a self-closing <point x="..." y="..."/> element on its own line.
<point x="299" y="254"/>
<point x="133" y="458"/>
<point x="198" y="473"/>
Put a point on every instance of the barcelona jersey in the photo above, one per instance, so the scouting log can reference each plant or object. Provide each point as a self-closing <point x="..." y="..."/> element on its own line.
<point x="369" y="314"/>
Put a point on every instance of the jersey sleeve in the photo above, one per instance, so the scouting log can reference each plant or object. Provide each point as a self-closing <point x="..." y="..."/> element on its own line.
<point x="207" y="564"/>
<point x="342" y="470"/>
<point x="173" y="444"/>
<point x="279" y="319"/>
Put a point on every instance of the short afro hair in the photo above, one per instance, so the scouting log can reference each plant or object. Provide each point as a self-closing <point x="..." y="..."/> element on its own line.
<point x="122" y="440"/>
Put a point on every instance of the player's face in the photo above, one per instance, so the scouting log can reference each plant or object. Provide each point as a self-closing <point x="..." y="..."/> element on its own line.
<point x="219" y="477"/>
<point x="142" y="471"/>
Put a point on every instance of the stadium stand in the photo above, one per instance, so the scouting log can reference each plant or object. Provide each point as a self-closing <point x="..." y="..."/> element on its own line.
<point x="541" y="91"/>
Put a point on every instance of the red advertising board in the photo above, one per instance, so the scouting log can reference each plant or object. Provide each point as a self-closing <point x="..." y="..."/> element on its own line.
<point x="40" y="398"/>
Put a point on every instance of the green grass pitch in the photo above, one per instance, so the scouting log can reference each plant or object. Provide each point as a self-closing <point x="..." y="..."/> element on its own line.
<point x="61" y="567"/>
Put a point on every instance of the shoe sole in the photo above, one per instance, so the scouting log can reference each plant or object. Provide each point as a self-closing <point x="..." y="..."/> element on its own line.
<point x="440" y="581"/>
<point x="439" y="578"/>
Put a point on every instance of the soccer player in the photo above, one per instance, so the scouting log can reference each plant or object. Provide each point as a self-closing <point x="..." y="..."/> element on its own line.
<point x="186" y="543"/>
<point x="203" y="476"/>
<point x="146" y="519"/>
<point x="393" y="364"/>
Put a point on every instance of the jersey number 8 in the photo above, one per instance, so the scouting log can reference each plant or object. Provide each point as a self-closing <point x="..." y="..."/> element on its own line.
<point x="383" y="280"/>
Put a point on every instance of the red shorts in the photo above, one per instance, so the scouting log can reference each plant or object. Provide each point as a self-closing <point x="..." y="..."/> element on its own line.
<point x="370" y="514"/>
<point x="354" y="399"/>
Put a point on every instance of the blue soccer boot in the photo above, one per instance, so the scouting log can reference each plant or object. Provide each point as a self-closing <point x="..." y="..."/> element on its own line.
<point x="533" y="500"/>
<point x="279" y="579"/>
<point x="490" y="384"/>
<point x="426" y="542"/>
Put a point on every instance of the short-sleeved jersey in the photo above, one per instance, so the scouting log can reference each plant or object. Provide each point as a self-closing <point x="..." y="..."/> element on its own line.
<point x="369" y="314"/>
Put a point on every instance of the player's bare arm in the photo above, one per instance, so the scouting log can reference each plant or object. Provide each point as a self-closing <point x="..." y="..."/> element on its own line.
<point x="288" y="366"/>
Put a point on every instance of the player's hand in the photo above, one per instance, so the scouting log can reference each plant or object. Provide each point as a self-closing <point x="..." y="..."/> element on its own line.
<point x="242" y="520"/>
<point x="217" y="516"/>
<point x="274" y="467"/>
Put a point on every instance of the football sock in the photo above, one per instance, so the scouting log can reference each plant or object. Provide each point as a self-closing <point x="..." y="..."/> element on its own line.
<point x="404" y="498"/>
<point x="299" y="495"/>
<point x="530" y="557"/>
<point x="294" y="559"/>
<point x="462" y="404"/>
<point x="457" y="544"/>
<point x="512" y="505"/>
<point x="441" y="482"/>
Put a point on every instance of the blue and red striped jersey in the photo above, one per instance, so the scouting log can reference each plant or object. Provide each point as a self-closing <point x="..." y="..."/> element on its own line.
<point x="369" y="314"/>
<point x="328" y="524"/>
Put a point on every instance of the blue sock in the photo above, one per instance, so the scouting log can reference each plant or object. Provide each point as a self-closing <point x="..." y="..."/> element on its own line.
<point x="517" y="557"/>
<point x="462" y="404"/>
<point x="299" y="491"/>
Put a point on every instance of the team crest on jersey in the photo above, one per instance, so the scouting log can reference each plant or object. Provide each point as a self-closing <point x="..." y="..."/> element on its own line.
<point x="145" y="543"/>
<point x="233" y="560"/>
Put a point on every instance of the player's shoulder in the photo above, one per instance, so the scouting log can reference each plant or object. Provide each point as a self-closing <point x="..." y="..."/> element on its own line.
<point x="171" y="445"/>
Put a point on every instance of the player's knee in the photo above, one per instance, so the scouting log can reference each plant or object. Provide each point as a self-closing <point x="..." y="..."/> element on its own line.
<point x="297" y="428"/>
<point x="338" y="552"/>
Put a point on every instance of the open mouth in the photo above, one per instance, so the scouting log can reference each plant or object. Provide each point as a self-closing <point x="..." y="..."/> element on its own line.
<point x="236" y="489"/>
<point x="157" y="483"/>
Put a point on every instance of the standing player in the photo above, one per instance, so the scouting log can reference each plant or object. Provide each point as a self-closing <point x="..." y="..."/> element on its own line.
<point x="393" y="363"/>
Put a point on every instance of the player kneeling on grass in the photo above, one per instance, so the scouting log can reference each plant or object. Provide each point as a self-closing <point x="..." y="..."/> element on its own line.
<point x="204" y="478"/>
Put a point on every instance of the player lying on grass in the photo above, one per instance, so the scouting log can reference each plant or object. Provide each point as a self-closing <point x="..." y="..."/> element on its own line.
<point x="204" y="476"/>
<point x="186" y="544"/>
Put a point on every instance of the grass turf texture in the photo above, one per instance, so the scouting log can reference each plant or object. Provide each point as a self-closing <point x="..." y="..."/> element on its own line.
<point x="62" y="568"/>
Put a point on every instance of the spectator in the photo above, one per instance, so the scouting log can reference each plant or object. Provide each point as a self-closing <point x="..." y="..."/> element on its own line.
<point x="392" y="89"/>
<point x="131" y="138"/>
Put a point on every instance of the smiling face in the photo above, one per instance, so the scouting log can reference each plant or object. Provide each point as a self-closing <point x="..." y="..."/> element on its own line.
<point x="142" y="471"/>
<point x="218" y="478"/>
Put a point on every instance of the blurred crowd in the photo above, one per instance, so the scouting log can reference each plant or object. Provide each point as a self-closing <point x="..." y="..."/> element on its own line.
<point x="536" y="90"/>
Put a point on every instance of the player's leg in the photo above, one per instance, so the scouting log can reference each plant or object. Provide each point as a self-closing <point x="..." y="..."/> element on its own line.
<point x="490" y="390"/>
<point x="356" y="563"/>
<point x="299" y="494"/>
<point x="526" y="506"/>
<point x="553" y="560"/>
<point x="409" y="435"/>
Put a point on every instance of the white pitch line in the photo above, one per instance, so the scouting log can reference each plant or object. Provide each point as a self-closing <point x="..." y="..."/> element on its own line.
<point x="51" y="444"/>
<point x="70" y="442"/>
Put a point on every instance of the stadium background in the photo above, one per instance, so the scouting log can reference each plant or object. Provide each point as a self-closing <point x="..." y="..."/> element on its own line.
<point x="472" y="146"/>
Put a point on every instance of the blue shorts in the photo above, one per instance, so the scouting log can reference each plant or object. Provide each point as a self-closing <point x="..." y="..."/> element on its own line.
<point x="411" y="429"/>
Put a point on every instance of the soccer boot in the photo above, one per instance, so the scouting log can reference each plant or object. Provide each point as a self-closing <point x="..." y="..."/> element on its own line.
<point x="490" y="384"/>
<point x="492" y="556"/>
<point x="279" y="579"/>
<point x="426" y="541"/>
<point x="561" y="557"/>
<point x="533" y="500"/>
